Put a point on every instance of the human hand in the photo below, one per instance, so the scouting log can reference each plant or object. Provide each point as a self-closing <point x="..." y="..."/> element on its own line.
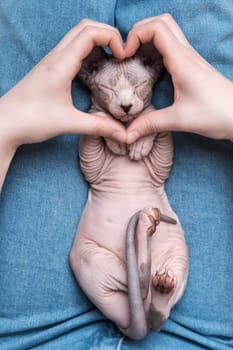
<point x="203" y="98"/>
<point x="40" y="105"/>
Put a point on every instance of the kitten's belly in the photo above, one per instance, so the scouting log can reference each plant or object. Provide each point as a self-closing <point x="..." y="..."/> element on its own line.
<point x="106" y="216"/>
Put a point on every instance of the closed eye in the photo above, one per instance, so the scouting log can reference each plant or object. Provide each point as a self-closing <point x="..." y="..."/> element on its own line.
<point x="140" y="84"/>
<point x="106" y="87"/>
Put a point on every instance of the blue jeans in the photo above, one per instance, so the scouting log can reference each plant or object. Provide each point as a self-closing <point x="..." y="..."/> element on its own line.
<point x="41" y="305"/>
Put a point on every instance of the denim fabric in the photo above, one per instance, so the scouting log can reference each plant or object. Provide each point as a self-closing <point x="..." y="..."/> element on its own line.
<point x="41" y="305"/>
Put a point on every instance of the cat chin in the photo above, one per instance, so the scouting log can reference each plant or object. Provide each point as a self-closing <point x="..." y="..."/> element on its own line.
<point x="127" y="118"/>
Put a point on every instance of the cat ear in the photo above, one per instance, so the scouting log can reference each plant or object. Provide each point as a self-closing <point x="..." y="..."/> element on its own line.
<point x="150" y="57"/>
<point x="91" y="64"/>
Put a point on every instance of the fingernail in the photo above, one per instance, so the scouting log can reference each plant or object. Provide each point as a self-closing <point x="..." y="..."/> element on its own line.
<point x="132" y="137"/>
<point x="119" y="136"/>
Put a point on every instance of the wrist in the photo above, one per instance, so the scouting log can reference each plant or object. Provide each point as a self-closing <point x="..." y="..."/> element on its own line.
<point x="226" y="111"/>
<point x="8" y="122"/>
<point x="7" y="145"/>
<point x="229" y="125"/>
<point x="221" y="112"/>
<point x="7" y="152"/>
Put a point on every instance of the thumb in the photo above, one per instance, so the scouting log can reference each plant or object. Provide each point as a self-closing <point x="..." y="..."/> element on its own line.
<point x="91" y="124"/>
<point x="152" y="122"/>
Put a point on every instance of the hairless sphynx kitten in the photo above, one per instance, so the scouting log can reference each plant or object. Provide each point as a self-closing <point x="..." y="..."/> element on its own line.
<point x="133" y="274"/>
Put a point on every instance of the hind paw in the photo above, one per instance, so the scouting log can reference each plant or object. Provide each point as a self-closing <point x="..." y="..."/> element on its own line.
<point x="149" y="219"/>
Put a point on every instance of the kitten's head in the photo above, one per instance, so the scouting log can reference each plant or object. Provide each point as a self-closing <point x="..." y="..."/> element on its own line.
<point x="122" y="88"/>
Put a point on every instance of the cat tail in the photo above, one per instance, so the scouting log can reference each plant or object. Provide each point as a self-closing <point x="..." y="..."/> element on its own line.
<point x="138" y="327"/>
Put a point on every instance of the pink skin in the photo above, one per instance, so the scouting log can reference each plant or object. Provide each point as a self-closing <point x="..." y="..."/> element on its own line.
<point x="120" y="187"/>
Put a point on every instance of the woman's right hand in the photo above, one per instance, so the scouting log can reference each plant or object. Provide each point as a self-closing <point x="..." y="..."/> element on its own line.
<point x="203" y="98"/>
<point x="40" y="106"/>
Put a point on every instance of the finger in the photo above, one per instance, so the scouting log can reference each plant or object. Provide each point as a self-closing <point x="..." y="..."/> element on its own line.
<point x="171" y="23"/>
<point x="73" y="54"/>
<point x="157" y="32"/>
<point x="90" y="124"/>
<point x="153" y="122"/>
<point x="78" y="28"/>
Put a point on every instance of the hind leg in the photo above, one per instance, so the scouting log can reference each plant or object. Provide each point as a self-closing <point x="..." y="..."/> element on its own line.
<point x="102" y="276"/>
<point x="169" y="272"/>
<point x="148" y="220"/>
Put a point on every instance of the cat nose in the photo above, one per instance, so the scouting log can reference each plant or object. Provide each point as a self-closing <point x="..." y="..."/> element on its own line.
<point x="126" y="108"/>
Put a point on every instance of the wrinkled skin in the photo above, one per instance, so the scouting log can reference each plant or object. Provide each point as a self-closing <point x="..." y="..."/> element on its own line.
<point x="125" y="179"/>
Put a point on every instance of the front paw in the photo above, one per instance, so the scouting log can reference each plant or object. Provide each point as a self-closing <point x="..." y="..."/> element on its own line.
<point x="141" y="148"/>
<point x="116" y="147"/>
